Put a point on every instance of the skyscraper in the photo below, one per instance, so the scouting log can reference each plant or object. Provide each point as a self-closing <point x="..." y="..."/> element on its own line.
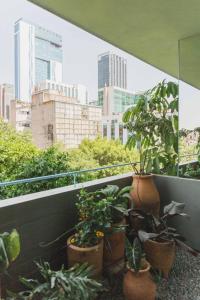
<point x="112" y="70"/>
<point x="6" y="95"/>
<point x="38" y="56"/>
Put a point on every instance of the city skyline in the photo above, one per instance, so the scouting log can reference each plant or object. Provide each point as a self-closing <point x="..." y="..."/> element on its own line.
<point x="80" y="50"/>
<point x="80" y="57"/>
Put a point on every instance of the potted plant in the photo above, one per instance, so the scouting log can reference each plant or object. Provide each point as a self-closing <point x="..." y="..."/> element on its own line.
<point x="86" y="245"/>
<point x="137" y="282"/>
<point x="74" y="283"/>
<point x="114" y="240"/>
<point x="9" y="251"/>
<point x="159" y="239"/>
<point x="153" y="129"/>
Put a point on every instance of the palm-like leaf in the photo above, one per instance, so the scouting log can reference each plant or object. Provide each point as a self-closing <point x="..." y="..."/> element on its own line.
<point x="74" y="283"/>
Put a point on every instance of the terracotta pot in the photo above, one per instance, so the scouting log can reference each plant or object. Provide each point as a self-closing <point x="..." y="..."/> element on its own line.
<point x="92" y="255"/>
<point x="145" y="194"/>
<point x="114" y="246"/>
<point x="161" y="255"/>
<point x="139" y="286"/>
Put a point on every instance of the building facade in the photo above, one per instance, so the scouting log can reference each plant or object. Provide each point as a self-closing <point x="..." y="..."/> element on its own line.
<point x="38" y="56"/>
<point x="112" y="70"/>
<point x="59" y="119"/>
<point x="113" y="128"/>
<point x="77" y="91"/>
<point x="6" y="95"/>
<point x="115" y="100"/>
<point x="20" y="115"/>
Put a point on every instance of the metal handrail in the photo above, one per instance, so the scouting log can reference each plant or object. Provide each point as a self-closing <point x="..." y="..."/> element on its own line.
<point x="71" y="173"/>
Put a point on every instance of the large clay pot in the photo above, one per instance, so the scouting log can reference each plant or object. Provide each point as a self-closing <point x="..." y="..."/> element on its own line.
<point x="161" y="255"/>
<point x="139" y="286"/>
<point x="145" y="195"/>
<point x="92" y="255"/>
<point x="114" y="246"/>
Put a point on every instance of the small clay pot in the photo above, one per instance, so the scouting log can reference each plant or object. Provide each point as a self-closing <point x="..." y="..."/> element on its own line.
<point x="139" y="286"/>
<point x="161" y="255"/>
<point x="145" y="195"/>
<point x="114" y="246"/>
<point x="92" y="255"/>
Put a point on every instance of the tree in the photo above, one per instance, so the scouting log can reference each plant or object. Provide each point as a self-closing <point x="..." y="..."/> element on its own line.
<point x="20" y="159"/>
<point x="14" y="149"/>
<point x="45" y="162"/>
<point x="103" y="152"/>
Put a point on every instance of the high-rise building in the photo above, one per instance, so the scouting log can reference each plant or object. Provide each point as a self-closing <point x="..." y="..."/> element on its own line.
<point x="6" y="95"/>
<point x="115" y="100"/>
<point x="38" y="56"/>
<point x="57" y="118"/>
<point x="112" y="70"/>
<point x="77" y="91"/>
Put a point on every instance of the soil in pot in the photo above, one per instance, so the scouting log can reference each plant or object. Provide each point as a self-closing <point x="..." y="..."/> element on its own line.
<point x="114" y="246"/>
<point x="145" y="194"/>
<point x="92" y="255"/>
<point x="161" y="255"/>
<point x="139" y="286"/>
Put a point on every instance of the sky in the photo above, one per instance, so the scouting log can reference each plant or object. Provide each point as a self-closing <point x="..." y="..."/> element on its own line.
<point x="80" y="52"/>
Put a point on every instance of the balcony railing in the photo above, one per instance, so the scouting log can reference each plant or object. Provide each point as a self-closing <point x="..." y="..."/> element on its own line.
<point x="43" y="216"/>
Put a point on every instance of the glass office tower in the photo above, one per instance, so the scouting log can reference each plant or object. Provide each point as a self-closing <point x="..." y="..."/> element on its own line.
<point x="38" y="57"/>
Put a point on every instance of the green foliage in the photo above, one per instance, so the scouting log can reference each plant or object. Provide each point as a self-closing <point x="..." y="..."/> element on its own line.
<point x="46" y="162"/>
<point x="118" y="201"/>
<point x="20" y="159"/>
<point x="190" y="171"/>
<point x="14" y="149"/>
<point x="9" y="249"/>
<point x="159" y="230"/>
<point x="153" y="127"/>
<point x="74" y="283"/>
<point x="95" y="219"/>
<point x="102" y="152"/>
<point x="134" y="254"/>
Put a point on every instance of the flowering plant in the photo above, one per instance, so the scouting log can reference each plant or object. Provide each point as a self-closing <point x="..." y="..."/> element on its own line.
<point x="95" y="219"/>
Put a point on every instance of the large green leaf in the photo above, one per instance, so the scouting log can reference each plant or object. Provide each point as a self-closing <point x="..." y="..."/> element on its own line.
<point x="12" y="245"/>
<point x="174" y="208"/>
<point x="110" y="190"/>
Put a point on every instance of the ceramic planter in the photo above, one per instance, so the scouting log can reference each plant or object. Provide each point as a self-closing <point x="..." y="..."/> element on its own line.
<point x="145" y="195"/>
<point x="92" y="255"/>
<point x="161" y="255"/>
<point x="139" y="286"/>
<point x="114" y="246"/>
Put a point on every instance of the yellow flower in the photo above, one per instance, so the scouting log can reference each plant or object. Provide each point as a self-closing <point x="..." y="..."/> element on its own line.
<point x="72" y="241"/>
<point x="99" y="234"/>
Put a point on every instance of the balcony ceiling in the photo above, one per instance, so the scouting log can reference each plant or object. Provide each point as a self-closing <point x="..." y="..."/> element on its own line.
<point x="147" y="29"/>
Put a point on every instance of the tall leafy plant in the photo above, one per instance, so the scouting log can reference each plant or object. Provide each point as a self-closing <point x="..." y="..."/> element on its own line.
<point x="153" y="128"/>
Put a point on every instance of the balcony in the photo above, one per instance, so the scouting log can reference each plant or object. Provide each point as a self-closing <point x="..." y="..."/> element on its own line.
<point x="43" y="216"/>
<point x="160" y="40"/>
